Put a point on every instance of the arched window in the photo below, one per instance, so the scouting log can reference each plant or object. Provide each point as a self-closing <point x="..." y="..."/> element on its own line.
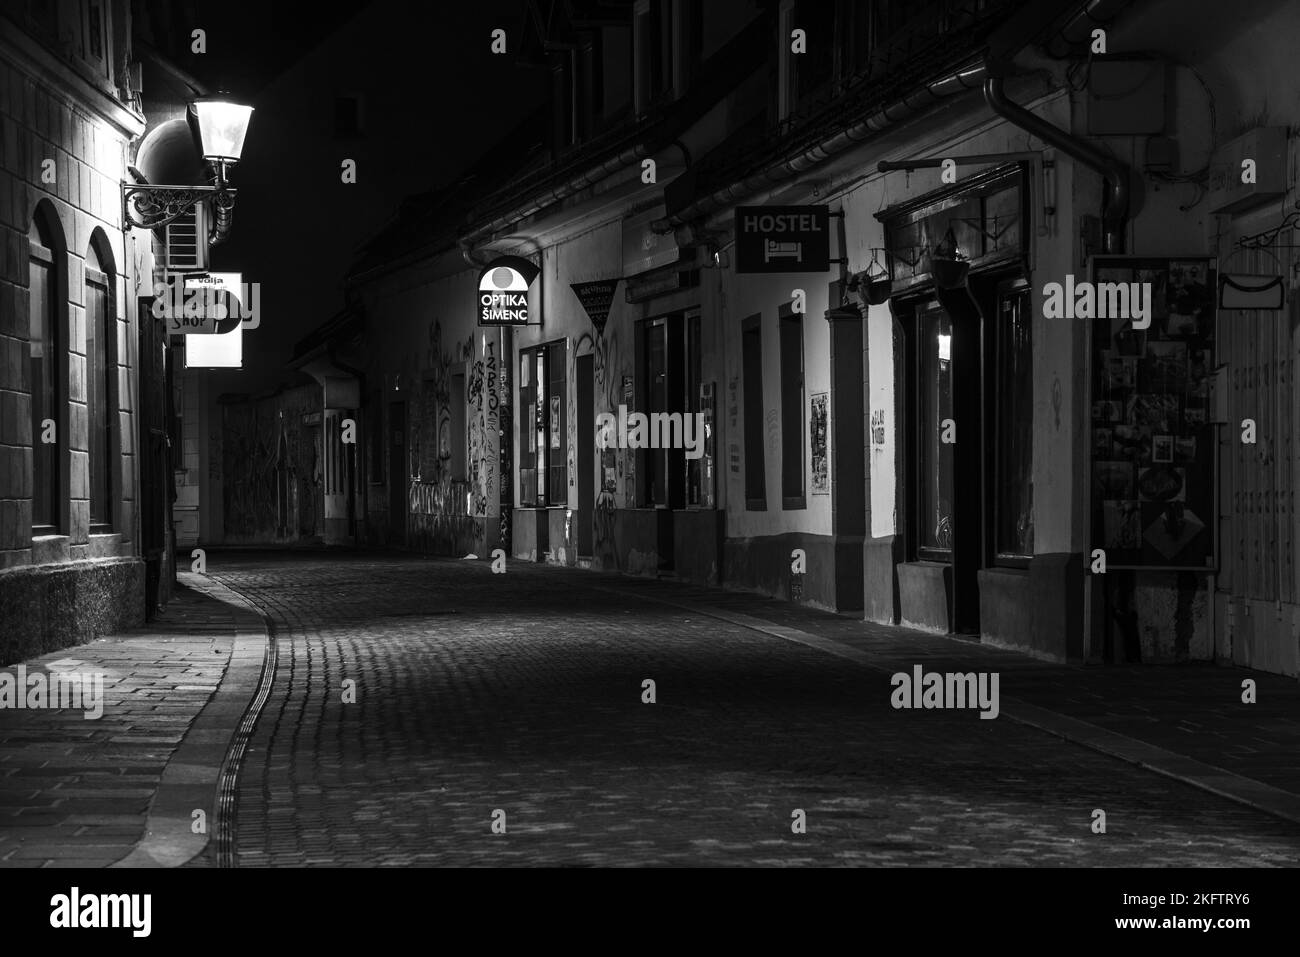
<point x="101" y="376"/>
<point x="44" y="271"/>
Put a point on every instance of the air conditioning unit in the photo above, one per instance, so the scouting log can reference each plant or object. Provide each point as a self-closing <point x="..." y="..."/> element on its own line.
<point x="1265" y="146"/>
<point x="185" y="241"/>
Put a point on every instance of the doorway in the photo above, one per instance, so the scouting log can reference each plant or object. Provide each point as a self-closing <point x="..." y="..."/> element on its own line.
<point x="945" y="485"/>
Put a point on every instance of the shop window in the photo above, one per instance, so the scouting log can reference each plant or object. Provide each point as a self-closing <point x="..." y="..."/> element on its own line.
<point x="1013" y="425"/>
<point x="669" y="369"/>
<point x="935" y="463"/>
<point x="543" y="440"/>
<point x="45" y="265"/>
<point x="752" y="362"/>
<point x="792" y="414"/>
<point x="983" y="218"/>
<point x="100" y="381"/>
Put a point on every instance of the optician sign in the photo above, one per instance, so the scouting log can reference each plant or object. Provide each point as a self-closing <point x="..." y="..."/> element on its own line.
<point x="778" y="239"/>
<point x="503" y="291"/>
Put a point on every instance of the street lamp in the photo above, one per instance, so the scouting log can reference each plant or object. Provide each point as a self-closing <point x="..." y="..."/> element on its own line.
<point x="222" y="125"/>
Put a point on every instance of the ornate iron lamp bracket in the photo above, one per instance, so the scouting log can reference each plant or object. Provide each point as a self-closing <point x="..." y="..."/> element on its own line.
<point x="149" y="206"/>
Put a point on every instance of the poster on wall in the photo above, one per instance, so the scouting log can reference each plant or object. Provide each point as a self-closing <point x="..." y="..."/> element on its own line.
<point x="817" y="431"/>
<point x="1152" y="462"/>
<point x="555" y="421"/>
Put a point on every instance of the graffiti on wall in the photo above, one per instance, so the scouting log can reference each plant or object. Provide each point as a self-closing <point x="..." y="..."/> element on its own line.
<point x="817" y="433"/>
<point x="482" y="397"/>
<point x="442" y="506"/>
<point x="270" y="465"/>
<point x="616" y="465"/>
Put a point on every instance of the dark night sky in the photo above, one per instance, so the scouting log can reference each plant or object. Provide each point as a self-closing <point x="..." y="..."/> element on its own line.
<point x="435" y="100"/>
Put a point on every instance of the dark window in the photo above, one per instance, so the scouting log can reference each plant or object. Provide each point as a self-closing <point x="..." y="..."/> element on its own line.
<point x="99" y="409"/>
<point x="347" y="115"/>
<point x="43" y="17"/>
<point x="814" y="68"/>
<point x="935" y="466"/>
<point x="654" y="51"/>
<point x="46" y="344"/>
<point x="95" y="23"/>
<point x="792" y="416"/>
<point x="1014" y="424"/>
<point x="614" y="92"/>
<point x="752" y="359"/>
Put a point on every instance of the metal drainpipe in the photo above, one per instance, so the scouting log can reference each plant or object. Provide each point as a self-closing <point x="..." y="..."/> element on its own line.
<point x="1116" y="208"/>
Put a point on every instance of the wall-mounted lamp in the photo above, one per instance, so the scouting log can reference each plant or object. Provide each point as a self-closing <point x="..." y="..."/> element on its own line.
<point x="222" y="125"/>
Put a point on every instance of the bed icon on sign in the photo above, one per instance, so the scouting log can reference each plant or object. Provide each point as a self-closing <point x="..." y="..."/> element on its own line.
<point x="774" y="250"/>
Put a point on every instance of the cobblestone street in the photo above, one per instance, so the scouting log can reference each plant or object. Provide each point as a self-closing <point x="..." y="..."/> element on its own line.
<point x="522" y="693"/>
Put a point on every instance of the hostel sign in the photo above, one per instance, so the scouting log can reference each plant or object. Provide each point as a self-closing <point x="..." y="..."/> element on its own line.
<point x="503" y="291"/>
<point x="780" y="239"/>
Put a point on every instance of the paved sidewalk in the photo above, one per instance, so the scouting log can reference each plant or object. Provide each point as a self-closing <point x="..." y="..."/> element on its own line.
<point x="1193" y="710"/>
<point x="77" y="792"/>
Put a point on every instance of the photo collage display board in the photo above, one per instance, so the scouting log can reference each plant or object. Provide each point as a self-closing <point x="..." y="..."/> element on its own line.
<point x="1152" y="443"/>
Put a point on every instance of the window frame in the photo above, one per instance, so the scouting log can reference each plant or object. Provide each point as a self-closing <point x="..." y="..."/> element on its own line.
<point x="923" y="441"/>
<point x="54" y="348"/>
<point x="105" y="334"/>
<point x="793" y="426"/>
<point x="755" y="471"/>
<point x="1006" y="290"/>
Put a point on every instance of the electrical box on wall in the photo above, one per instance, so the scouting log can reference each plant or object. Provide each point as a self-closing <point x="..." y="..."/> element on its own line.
<point x="1248" y="171"/>
<point x="1126" y="96"/>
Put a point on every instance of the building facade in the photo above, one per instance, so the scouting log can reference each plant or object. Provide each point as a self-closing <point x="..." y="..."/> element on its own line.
<point x="89" y="103"/>
<point x="70" y="561"/>
<point x="1009" y="400"/>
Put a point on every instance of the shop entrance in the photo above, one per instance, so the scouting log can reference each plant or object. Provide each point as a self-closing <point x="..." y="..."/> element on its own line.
<point x="946" y="479"/>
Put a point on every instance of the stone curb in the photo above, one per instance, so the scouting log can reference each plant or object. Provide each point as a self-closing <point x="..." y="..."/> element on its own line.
<point x="191" y="779"/>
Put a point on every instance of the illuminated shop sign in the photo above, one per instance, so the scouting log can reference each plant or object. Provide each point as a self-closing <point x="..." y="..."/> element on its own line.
<point x="503" y="291"/>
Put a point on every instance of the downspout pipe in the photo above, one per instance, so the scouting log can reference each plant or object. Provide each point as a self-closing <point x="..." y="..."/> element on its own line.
<point x="1116" y="174"/>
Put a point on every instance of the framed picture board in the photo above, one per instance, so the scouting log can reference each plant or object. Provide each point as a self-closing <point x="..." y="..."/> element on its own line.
<point x="1152" y="465"/>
